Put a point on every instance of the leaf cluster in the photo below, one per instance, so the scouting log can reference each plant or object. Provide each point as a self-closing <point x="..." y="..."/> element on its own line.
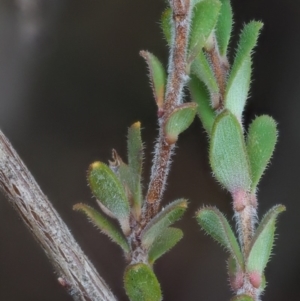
<point x="238" y="158"/>
<point x="118" y="191"/>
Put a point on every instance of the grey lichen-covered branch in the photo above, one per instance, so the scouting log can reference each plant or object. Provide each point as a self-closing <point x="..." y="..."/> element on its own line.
<point x="74" y="271"/>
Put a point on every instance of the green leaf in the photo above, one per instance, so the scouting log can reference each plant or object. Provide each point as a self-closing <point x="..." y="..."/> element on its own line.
<point x="163" y="243"/>
<point x="224" y="27"/>
<point x="261" y="141"/>
<point x="205" y="16"/>
<point x="179" y="120"/>
<point x="109" y="191"/>
<point x="166" y="20"/>
<point x="202" y="69"/>
<point x="201" y="96"/>
<point x="247" y="42"/>
<point x="125" y="175"/>
<point x="263" y="241"/>
<point x="216" y="225"/>
<point x="141" y="283"/>
<point x="135" y="161"/>
<point x="157" y="77"/>
<point x="166" y="217"/>
<point x="135" y="148"/>
<point x="237" y="92"/>
<point x="228" y="155"/>
<point x="240" y="74"/>
<point x="242" y="298"/>
<point x="106" y="226"/>
<point x="129" y="176"/>
<point x="131" y="182"/>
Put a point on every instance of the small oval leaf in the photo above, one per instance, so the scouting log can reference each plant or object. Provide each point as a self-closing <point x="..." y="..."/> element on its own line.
<point x="141" y="283"/>
<point x="109" y="191"/>
<point x="261" y="141"/>
<point x="105" y="225"/>
<point x="263" y="241"/>
<point x="166" y="217"/>
<point x="200" y="95"/>
<point x="214" y="223"/>
<point x="163" y="243"/>
<point x="228" y="156"/>
<point x="179" y="120"/>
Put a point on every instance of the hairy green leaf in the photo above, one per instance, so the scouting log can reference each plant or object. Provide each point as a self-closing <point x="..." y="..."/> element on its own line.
<point x="109" y="191"/>
<point x="163" y="243"/>
<point x="166" y="217"/>
<point x="179" y="120"/>
<point x="157" y="77"/>
<point x="247" y="42"/>
<point x="261" y="141"/>
<point x="141" y="283"/>
<point x="228" y="156"/>
<point x="135" y="162"/>
<point x="202" y="69"/>
<point x="237" y="93"/>
<point x="201" y="96"/>
<point x="216" y="225"/>
<point x="166" y="20"/>
<point x="205" y="16"/>
<point x="224" y="27"/>
<point x="263" y="241"/>
<point x="124" y="173"/>
<point x="105" y="225"/>
<point x="240" y="74"/>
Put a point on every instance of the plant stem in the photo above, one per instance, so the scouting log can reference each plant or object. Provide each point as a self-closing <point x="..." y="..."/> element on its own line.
<point x="220" y="67"/>
<point x="75" y="272"/>
<point x="245" y="219"/>
<point x="244" y="203"/>
<point x="177" y="78"/>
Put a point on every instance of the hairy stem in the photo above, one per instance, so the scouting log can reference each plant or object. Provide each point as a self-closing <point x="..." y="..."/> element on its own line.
<point x="246" y="219"/>
<point x="244" y="203"/>
<point x="174" y="93"/>
<point x="220" y="67"/>
<point x="74" y="271"/>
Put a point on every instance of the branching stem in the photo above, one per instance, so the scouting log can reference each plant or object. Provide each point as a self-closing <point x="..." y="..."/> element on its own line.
<point x="177" y="78"/>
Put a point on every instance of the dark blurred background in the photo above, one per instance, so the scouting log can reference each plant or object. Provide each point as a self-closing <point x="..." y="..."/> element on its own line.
<point x="71" y="82"/>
